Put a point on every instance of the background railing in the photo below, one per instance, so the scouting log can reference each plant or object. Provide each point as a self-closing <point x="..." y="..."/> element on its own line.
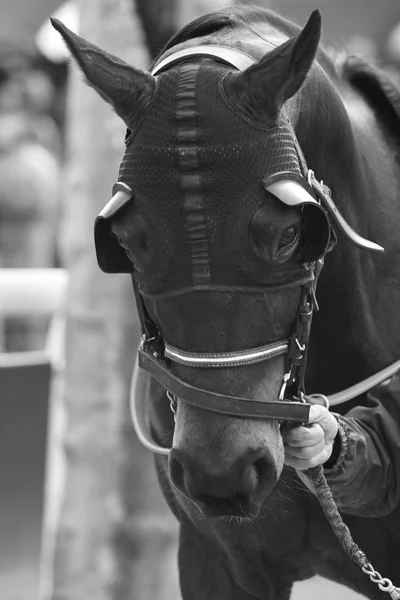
<point x="25" y="417"/>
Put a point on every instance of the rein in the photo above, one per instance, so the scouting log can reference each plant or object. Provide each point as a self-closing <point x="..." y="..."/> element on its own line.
<point x="155" y="355"/>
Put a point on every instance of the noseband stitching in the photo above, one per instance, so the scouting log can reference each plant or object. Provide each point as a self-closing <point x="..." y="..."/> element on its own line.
<point x="226" y="359"/>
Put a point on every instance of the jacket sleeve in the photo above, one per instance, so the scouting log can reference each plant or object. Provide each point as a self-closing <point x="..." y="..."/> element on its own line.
<point x="365" y="478"/>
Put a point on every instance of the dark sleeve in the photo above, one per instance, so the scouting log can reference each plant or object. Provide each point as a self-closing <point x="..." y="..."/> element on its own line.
<point x="365" y="478"/>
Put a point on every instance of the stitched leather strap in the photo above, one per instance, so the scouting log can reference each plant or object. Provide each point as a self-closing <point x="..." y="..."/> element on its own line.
<point x="226" y="359"/>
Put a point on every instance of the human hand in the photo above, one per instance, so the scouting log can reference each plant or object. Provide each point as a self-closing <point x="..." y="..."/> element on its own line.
<point x="307" y="447"/>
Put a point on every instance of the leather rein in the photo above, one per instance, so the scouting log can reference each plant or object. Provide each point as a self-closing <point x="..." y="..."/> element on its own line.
<point x="155" y="355"/>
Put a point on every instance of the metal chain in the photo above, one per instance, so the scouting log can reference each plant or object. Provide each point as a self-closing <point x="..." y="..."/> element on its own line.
<point x="342" y="532"/>
<point x="173" y="403"/>
<point x="383" y="583"/>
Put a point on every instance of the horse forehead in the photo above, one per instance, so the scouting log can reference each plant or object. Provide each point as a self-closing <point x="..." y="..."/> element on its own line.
<point x="192" y="127"/>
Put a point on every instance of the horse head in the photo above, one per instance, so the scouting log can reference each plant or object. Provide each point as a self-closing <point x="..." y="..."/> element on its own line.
<point x="214" y="217"/>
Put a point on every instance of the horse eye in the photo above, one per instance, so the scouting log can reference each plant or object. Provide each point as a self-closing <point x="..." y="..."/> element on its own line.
<point x="288" y="238"/>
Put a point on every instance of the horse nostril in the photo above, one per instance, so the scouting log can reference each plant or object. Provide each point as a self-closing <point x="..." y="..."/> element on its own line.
<point x="260" y="467"/>
<point x="265" y="475"/>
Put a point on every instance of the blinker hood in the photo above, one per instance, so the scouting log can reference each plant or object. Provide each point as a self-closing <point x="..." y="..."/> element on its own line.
<point x="196" y="166"/>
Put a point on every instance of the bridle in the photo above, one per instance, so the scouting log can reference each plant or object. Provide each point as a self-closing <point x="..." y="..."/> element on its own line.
<point x="155" y="354"/>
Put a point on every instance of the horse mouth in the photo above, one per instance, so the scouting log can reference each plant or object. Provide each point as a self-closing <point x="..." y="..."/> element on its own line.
<point x="229" y="510"/>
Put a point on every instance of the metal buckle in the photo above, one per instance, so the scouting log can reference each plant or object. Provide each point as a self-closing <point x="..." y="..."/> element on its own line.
<point x="313" y="182"/>
<point x="146" y="341"/>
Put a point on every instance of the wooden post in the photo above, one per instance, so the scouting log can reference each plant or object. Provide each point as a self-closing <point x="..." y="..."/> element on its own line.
<point x="112" y="531"/>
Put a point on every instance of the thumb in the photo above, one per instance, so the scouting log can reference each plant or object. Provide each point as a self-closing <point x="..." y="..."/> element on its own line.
<point x="321" y="416"/>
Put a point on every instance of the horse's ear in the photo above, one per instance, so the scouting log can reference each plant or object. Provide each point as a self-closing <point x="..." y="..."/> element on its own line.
<point x="127" y="89"/>
<point x="262" y="89"/>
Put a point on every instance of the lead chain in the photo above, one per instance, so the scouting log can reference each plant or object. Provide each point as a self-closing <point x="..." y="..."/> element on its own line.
<point x="172" y="403"/>
<point x="383" y="583"/>
<point x="343" y="534"/>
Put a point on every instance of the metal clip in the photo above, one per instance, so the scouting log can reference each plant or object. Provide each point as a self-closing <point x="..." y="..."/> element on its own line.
<point x="285" y="381"/>
<point x="146" y="339"/>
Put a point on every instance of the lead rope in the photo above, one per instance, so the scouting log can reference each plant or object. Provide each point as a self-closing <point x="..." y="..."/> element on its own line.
<point x="343" y="534"/>
<point x="324" y="494"/>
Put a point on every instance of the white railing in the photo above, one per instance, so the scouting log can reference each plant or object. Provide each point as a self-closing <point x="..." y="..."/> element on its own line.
<point x="41" y="292"/>
<point x="34" y="292"/>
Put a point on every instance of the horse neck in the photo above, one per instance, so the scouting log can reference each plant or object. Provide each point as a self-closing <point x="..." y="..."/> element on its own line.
<point x="349" y="337"/>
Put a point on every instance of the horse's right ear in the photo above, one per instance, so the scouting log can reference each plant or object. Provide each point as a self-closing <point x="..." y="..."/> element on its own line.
<point x="127" y="89"/>
<point x="262" y="89"/>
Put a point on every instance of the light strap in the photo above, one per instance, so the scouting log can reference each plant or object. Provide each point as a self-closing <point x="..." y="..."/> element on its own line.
<point x="226" y="359"/>
<point x="363" y="386"/>
<point x="231" y="56"/>
<point x="139" y="410"/>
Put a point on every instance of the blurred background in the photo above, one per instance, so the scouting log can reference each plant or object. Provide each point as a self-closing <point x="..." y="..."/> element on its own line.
<point x="81" y="515"/>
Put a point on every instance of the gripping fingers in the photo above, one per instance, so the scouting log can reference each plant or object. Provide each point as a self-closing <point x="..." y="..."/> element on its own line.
<point x="307" y="447"/>
<point x="305" y="436"/>
<point x="304" y="452"/>
<point x="302" y="464"/>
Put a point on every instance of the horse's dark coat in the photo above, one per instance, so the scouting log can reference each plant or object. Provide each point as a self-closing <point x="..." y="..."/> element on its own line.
<point x="377" y="87"/>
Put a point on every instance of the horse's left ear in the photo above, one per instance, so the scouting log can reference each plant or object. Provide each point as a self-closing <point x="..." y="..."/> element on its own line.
<point x="127" y="89"/>
<point x="262" y="89"/>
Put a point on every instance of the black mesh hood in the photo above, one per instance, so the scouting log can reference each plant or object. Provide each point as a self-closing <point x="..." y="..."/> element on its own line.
<point x="196" y="168"/>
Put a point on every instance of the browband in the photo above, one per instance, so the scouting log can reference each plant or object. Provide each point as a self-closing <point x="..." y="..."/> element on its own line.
<point x="226" y="359"/>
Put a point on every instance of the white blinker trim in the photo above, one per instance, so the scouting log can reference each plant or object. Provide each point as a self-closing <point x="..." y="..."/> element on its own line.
<point x="119" y="199"/>
<point x="291" y="193"/>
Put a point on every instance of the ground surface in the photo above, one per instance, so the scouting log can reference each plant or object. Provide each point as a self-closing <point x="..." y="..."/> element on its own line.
<point x="16" y="584"/>
<point x="317" y="588"/>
